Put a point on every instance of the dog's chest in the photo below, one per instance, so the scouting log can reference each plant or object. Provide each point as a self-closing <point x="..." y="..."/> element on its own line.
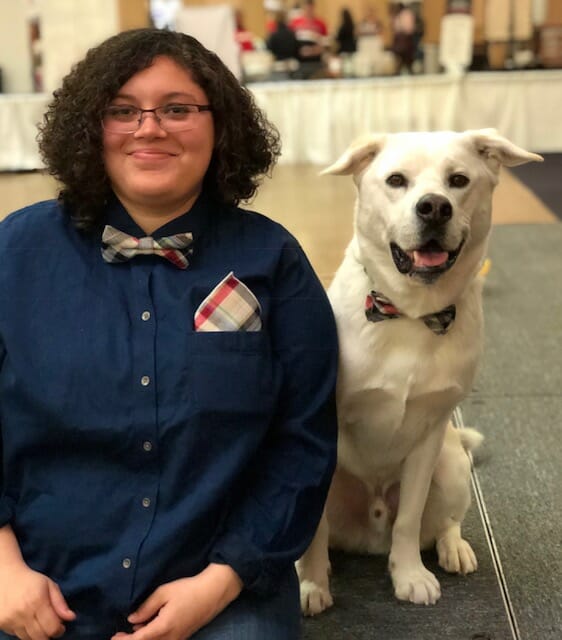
<point x="397" y="381"/>
<point x="404" y="358"/>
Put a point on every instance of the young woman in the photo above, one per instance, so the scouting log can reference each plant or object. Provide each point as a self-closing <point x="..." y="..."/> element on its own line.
<point x="167" y="365"/>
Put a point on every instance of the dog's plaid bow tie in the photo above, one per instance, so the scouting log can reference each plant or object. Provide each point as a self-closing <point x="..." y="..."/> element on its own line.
<point x="378" y="307"/>
<point x="117" y="246"/>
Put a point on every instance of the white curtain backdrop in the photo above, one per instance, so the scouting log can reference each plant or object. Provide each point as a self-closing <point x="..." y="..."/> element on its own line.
<point x="318" y="119"/>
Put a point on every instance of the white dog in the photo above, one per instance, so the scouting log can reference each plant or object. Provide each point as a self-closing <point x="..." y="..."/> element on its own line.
<point x="407" y="301"/>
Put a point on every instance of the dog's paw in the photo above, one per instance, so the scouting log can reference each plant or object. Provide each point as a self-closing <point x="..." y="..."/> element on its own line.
<point x="456" y="555"/>
<point x="417" y="585"/>
<point x="314" y="599"/>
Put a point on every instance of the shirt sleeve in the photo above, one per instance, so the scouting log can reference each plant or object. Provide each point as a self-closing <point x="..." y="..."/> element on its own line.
<point x="6" y="505"/>
<point x="279" y="511"/>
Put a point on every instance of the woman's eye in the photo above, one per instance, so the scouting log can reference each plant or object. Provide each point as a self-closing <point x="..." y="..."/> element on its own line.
<point x="121" y="111"/>
<point x="176" y="109"/>
<point x="458" y="180"/>
<point x="396" y="181"/>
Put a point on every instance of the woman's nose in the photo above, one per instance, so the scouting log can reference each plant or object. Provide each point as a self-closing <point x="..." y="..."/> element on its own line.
<point x="149" y="126"/>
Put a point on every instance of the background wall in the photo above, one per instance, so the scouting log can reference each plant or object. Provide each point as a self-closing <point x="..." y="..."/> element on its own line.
<point x="554" y="12"/>
<point x="133" y="14"/>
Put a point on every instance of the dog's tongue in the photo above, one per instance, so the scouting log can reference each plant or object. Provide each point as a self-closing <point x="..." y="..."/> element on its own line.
<point x="430" y="258"/>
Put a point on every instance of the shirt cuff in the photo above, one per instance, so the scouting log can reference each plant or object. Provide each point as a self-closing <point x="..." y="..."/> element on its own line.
<point x="258" y="574"/>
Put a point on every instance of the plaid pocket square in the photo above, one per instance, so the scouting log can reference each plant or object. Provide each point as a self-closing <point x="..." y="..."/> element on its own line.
<point x="230" y="306"/>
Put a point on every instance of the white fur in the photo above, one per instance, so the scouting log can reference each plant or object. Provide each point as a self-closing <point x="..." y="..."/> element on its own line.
<point x="398" y="381"/>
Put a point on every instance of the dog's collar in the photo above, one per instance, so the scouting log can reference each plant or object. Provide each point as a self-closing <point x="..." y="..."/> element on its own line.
<point x="379" y="307"/>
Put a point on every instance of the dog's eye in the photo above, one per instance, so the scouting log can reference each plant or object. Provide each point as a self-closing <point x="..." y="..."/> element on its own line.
<point x="458" y="180"/>
<point x="396" y="180"/>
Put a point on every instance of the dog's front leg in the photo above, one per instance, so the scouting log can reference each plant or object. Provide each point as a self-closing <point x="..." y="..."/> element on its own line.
<point x="412" y="581"/>
<point x="313" y="569"/>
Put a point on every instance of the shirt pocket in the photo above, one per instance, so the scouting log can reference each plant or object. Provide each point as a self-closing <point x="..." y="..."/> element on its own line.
<point x="232" y="374"/>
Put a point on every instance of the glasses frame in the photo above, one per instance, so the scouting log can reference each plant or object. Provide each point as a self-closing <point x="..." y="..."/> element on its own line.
<point x="198" y="109"/>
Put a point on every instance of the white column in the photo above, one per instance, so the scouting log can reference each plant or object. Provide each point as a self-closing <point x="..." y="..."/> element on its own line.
<point x="522" y="27"/>
<point x="15" y="53"/>
<point x="69" y="28"/>
<point x="497" y="24"/>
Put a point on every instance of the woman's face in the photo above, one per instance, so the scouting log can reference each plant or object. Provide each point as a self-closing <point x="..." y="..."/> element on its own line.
<point x="152" y="168"/>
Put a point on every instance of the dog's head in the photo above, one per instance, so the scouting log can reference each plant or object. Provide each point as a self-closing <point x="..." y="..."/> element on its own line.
<point x="424" y="200"/>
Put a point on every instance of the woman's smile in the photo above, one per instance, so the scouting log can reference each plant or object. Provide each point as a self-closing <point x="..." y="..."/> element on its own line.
<point x="151" y="156"/>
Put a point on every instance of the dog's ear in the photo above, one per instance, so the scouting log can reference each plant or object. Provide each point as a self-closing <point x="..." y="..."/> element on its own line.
<point x="497" y="150"/>
<point x="357" y="156"/>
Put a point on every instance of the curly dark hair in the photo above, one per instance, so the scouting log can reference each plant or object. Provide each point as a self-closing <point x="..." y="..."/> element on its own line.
<point x="71" y="141"/>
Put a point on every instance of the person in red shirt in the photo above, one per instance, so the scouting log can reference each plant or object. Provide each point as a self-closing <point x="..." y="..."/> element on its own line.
<point x="311" y="32"/>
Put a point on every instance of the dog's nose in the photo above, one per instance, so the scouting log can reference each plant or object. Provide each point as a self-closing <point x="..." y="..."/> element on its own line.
<point x="434" y="209"/>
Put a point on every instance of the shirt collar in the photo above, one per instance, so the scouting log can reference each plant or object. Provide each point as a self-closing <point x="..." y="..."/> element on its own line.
<point x="195" y="220"/>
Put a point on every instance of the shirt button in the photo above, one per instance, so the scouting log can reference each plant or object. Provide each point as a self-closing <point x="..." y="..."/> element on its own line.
<point x="145" y="381"/>
<point x="147" y="446"/>
<point x="145" y="315"/>
<point x="126" y="563"/>
<point x="146" y="502"/>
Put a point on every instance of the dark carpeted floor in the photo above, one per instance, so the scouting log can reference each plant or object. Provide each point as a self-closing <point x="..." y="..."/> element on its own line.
<point x="545" y="180"/>
<point x="517" y="404"/>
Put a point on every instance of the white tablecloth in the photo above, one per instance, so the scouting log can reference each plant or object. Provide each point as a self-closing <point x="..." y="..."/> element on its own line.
<point x="318" y="119"/>
<point x="19" y="115"/>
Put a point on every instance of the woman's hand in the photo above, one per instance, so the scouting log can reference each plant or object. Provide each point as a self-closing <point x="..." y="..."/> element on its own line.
<point x="178" y="609"/>
<point x="32" y="606"/>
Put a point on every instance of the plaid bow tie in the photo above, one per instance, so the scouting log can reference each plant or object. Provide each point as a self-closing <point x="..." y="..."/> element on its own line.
<point x="119" y="247"/>
<point x="378" y="308"/>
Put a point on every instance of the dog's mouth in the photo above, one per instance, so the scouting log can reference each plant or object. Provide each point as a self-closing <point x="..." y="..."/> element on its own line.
<point x="427" y="262"/>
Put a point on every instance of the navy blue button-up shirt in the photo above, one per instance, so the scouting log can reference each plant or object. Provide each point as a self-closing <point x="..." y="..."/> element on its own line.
<point x="135" y="450"/>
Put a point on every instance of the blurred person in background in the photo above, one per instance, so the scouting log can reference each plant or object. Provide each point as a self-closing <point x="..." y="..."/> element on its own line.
<point x="369" y="25"/>
<point x="167" y="365"/>
<point x="244" y="38"/>
<point x="345" y="39"/>
<point x="282" y="41"/>
<point x="404" y="37"/>
<point x="272" y="8"/>
<point x="311" y="33"/>
<point x="295" y="11"/>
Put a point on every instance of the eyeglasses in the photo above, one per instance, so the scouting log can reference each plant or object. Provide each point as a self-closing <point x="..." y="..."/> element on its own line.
<point x="124" y="118"/>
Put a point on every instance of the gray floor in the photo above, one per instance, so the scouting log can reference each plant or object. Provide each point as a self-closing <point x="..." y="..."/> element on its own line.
<point x="515" y="523"/>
